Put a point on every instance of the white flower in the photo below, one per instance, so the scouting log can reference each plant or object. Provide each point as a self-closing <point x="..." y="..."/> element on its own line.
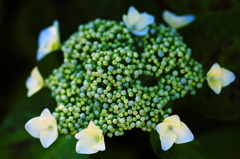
<point x="48" y="40"/>
<point x="43" y="127"/>
<point x="90" y="139"/>
<point x="172" y="130"/>
<point x="34" y="82"/>
<point x="176" y="21"/>
<point x="219" y="77"/>
<point x="137" y="22"/>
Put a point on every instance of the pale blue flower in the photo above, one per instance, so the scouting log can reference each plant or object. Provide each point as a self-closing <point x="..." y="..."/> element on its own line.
<point x="136" y="22"/>
<point x="176" y="21"/>
<point x="48" y="41"/>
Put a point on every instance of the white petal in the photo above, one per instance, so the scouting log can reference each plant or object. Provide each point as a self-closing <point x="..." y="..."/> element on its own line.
<point x="80" y="134"/>
<point x="34" y="127"/>
<point x="133" y="16"/>
<point x="46" y="116"/>
<point x="92" y="129"/>
<point x="125" y="20"/>
<point x="84" y="147"/>
<point x="31" y="82"/>
<point x="85" y="136"/>
<point x="176" y="21"/>
<point x="227" y="77"/>
<point x="168" y="140"/>
<point x="35" y="74"/>
<point x="48" y="41"/>
<point x="35" y="82"/>
<point x="140" y="32"/>
<point x="33" y="89"/>
<point x="91" y="140"/>
<point x="86" y="143"/>
<point x="214" y="84"/>
<point x="92" y="125"/>
<point x="146" y="19"/>
<point x="162" y="128"/>
<point x="215" y="71"/>
<point x="47" y="137"/>
<point x="100" y="145"/>
<point x="183" y="134"/>
<point x="173" y="120"/>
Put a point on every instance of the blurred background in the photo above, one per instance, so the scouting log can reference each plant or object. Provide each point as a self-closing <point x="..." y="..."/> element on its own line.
<point x="213" y="37"/>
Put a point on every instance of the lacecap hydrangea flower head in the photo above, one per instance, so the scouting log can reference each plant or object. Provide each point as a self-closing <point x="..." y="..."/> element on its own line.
<point x="117" y="76"/>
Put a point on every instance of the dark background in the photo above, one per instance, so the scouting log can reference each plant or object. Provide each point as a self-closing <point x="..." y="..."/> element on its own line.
<point x="214" y="37"/>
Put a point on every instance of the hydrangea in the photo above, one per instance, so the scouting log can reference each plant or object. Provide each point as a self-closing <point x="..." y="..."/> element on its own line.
<point x="90" y="139"/>
<point x="34" y="82"/>
<point x="48" y="41"/>
<point x="176" y="21"/>
<point x="219" y="77"/>
<point x="118" y="80"/>
<point x="111" y="80"/>
<point x="137" y="22"/>
<point x="172" y="130"/>
<point x="43" y="127"/>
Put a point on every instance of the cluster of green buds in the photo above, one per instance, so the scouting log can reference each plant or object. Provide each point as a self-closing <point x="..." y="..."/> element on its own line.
<point x="119" y="80"/>
<point x="117" y="76"/>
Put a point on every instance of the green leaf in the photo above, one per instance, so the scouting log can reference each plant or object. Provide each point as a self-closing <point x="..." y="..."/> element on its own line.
<point x="214" y="38"/>
<point x="217" y="143"/>
<point x="198" y="7"/>
<point x="210" y="35"/>
<point x="224" y="106"/>
<point x="15" y="140"/>
<point x="64" y="147"/>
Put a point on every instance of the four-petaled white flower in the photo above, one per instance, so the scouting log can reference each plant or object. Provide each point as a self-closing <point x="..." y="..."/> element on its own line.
<point x="137" y="22"/>
<point x="34" y="82"/>
<point x="218" y="77"/>
<point x="90" y="139"/>
<point x="48" y="40"/>
<point x="172" y="130"/>
<point x="176" y="21"/>
<point x="43" y="127"/>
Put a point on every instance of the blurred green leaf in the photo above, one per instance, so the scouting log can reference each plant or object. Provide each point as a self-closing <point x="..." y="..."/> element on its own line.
<point x="217" y="143"/>
<point x="198" y="7"/>
<point x="211" y="34"/>
<point x="214" y="38"/>
<point x="64" y="148"/>
<point x="15" y="140"/>
<point x="222" y="107"/>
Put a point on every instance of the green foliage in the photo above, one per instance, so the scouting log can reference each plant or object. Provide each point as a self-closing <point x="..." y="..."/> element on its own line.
<point x="211" y="34"/>
<point x="16" y="142"/>
<point x="220" y="143"/>
<point x="63" y="148"/>
<point x="199" y="7"/>
<point x="215" y="38"/>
